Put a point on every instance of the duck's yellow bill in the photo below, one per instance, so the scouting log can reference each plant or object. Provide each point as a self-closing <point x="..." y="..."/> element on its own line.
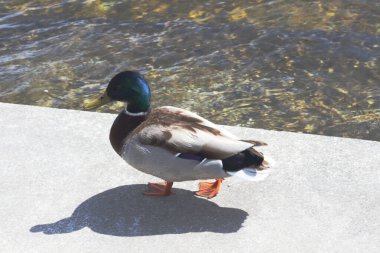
<point x="96" y="102"/>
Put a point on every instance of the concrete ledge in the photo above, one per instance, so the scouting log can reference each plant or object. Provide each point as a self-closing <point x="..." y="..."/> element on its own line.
<point x="63" y="189"/>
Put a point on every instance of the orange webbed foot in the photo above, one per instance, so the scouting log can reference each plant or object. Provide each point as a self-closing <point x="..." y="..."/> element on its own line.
<point x="208" y="189"/>
<point x="159" y="189"/>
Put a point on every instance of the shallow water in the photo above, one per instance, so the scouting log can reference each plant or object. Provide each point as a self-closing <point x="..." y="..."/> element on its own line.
<point x="309" y="66"/>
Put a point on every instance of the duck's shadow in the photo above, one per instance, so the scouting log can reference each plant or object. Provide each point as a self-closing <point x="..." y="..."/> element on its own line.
<point x="123" y="211"/>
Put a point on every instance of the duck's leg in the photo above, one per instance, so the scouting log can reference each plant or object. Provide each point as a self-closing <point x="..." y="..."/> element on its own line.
<point x="209" y="190"/>
<point x="159" y="189"/>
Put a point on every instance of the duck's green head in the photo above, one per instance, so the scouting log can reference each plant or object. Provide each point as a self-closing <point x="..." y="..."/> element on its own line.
<point x="127" y="86"/>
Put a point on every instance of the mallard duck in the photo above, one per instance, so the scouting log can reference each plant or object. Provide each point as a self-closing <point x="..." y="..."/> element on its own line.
<point x="175" y="144"/>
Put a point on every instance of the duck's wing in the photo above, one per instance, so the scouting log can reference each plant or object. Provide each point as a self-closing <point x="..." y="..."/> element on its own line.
<point x="185" y="133"/>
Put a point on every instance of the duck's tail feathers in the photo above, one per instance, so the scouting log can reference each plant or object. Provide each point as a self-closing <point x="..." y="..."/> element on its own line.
<point x="253" y="174"/>
<point x="256" y="142"/>
<point x="269" y="162"/>
<point x="250" y="174"/>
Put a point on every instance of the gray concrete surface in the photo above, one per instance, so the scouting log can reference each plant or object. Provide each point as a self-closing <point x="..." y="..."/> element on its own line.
<point x="63" y="189"/>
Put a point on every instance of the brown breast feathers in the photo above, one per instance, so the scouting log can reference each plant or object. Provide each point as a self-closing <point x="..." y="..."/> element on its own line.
<point x="123" y="125"/>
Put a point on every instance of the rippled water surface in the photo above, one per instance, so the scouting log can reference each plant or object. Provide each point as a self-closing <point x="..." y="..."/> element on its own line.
<point x="309" y="66"/>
